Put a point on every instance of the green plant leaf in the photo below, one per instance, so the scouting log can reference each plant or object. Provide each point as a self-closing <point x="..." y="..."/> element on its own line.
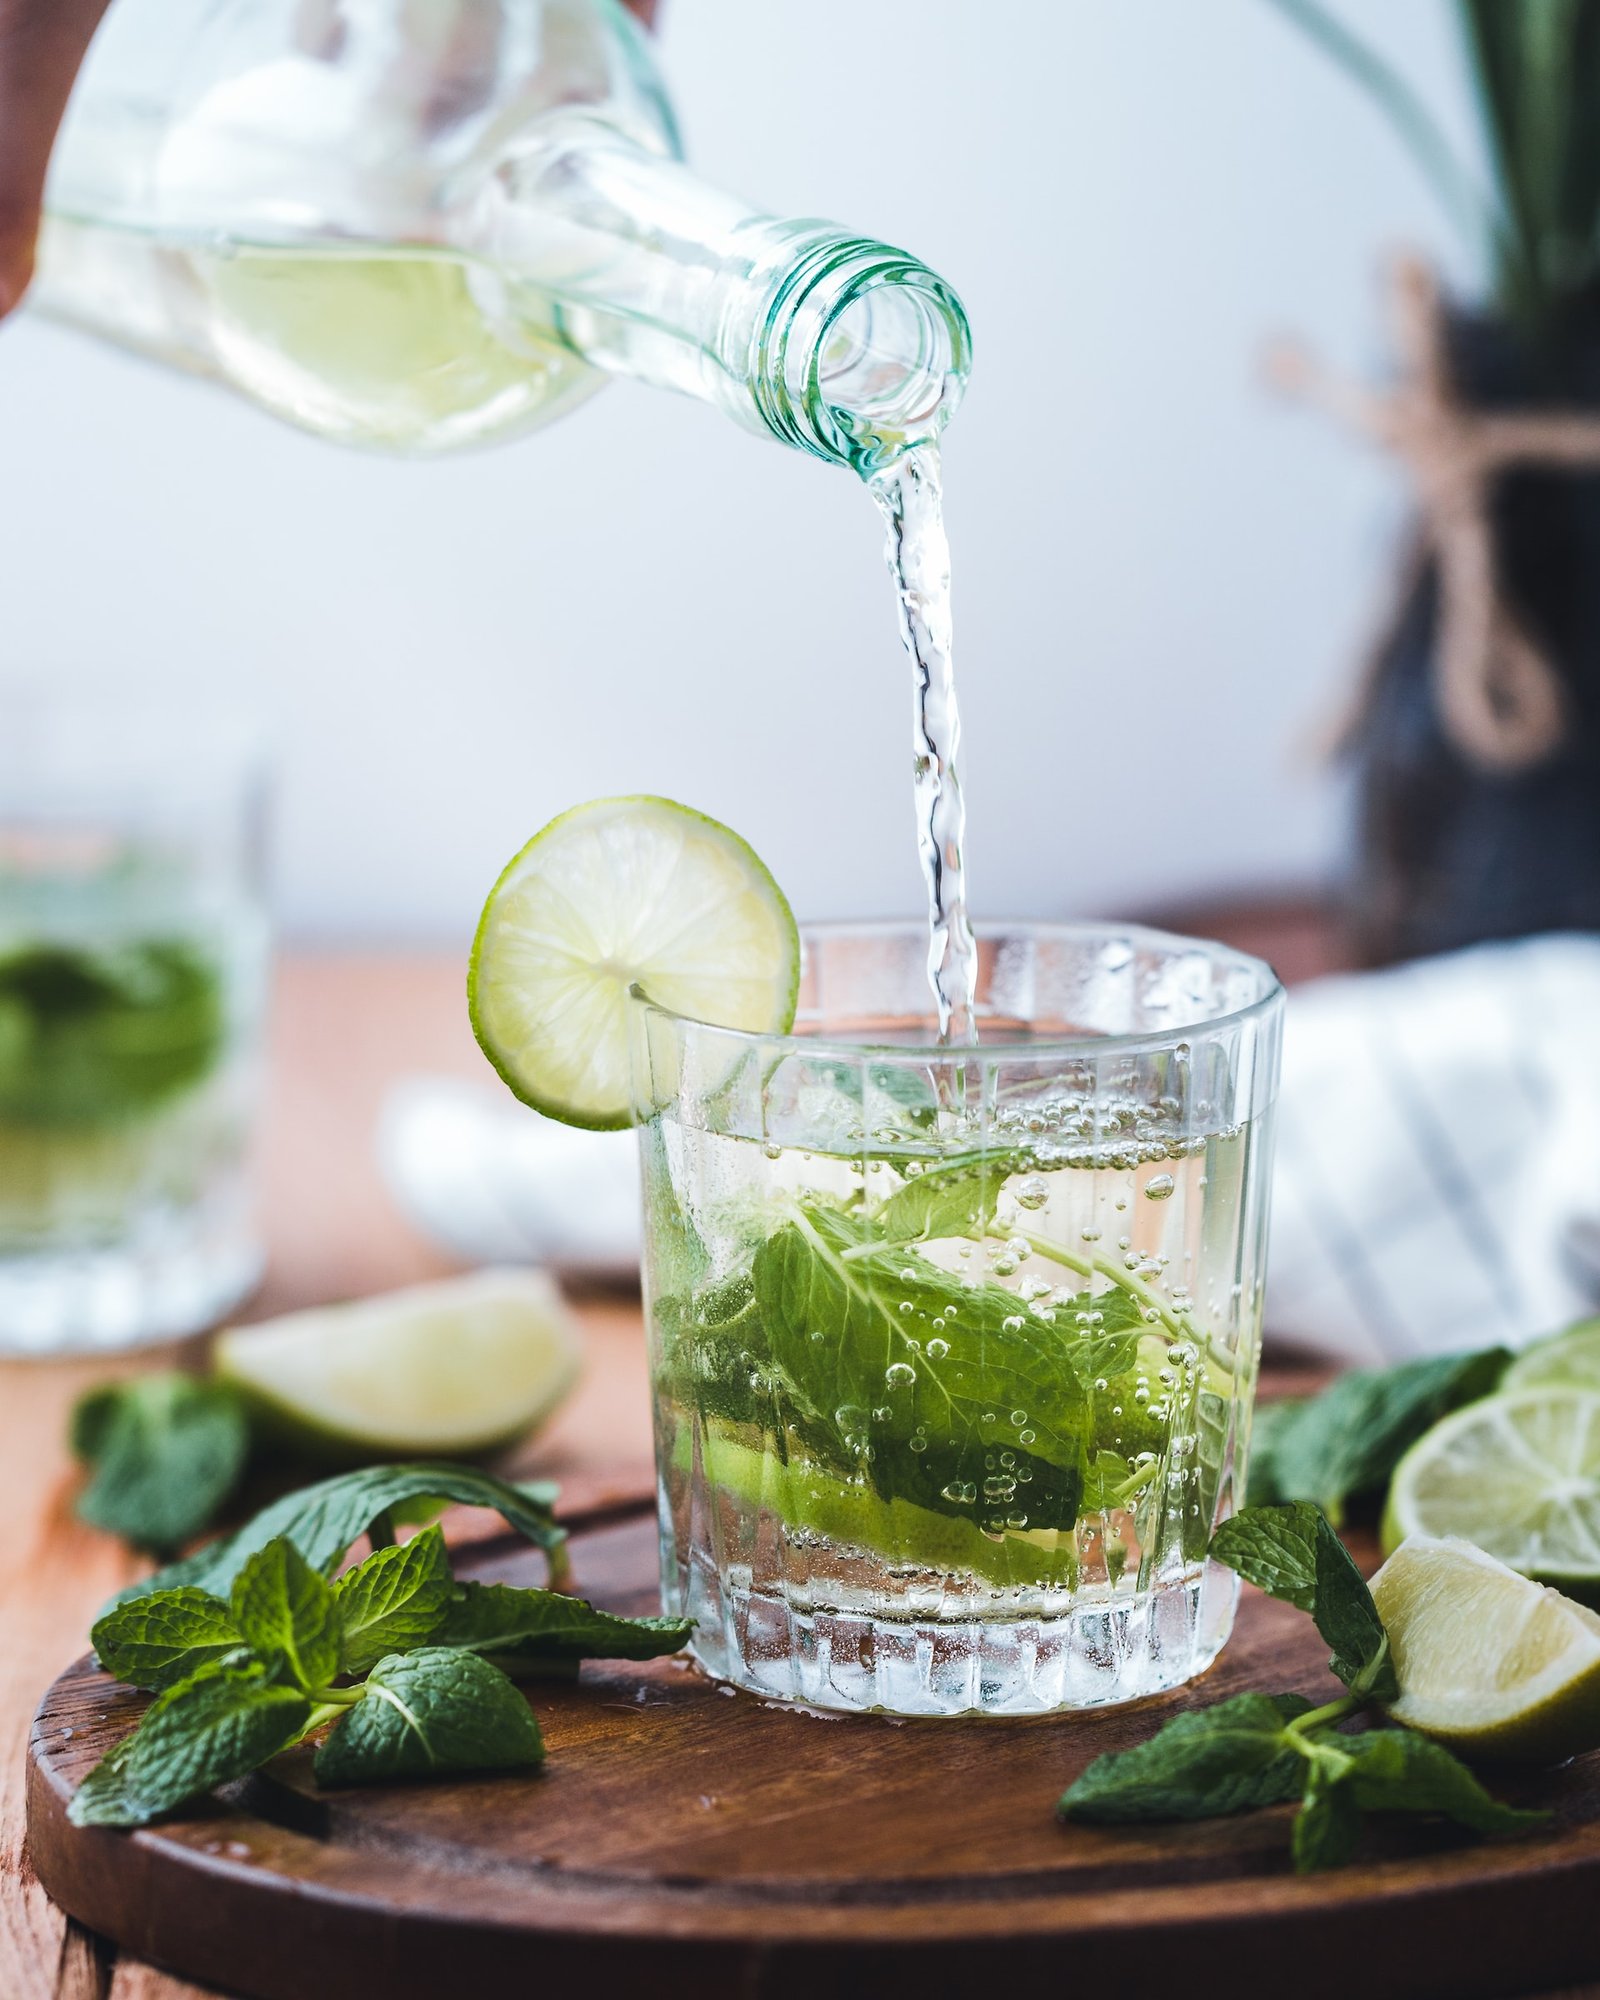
<point x="923" y="1380"/>
<point x="323" y="1521"/>
<point x="393" y="1600"/>
<point x="531" y="1627"/>
<point x="158" y="1641"/>
<point x="287" y="1613"/>
<point x="1396" y="1770"/>
<point x="427" y="1713"/>
<point x="222" y="1722"/>
<point x="1327" y="1828"/>
<point x="165" y="1452"/>
<point x="1211" y="1761"/>
<point x="1345" y="1444"/>
<point x="954" y="1199"/>
<point x="1291" y="1551"/>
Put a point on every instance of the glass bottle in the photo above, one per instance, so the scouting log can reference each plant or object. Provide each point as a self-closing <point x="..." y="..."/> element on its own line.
<point x="425" y="224"/>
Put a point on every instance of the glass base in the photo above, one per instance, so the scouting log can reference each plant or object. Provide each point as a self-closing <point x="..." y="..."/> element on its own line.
<point x="98" y="1301"/>
<point x="1090" y="1651"/>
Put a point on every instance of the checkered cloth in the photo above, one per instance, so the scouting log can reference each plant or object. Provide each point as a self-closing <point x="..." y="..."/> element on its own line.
<point x="1438" y="1153"/>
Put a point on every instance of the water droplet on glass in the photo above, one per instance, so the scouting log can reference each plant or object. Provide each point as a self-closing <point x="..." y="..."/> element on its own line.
<point x="1034" y="1192"/>
<point x="1159" y="1188"/>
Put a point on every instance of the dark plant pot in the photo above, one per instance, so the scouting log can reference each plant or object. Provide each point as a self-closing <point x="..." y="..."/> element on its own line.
<point x="1449" y="854"/>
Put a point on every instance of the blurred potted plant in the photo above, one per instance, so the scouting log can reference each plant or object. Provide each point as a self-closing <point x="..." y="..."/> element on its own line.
<point x="1477" y="734"/>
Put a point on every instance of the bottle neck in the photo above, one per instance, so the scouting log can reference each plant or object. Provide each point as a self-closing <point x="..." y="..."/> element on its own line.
<point x="829" y="341"/>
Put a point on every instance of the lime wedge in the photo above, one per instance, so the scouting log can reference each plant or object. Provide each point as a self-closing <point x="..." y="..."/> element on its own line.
<point x="1571" y="1359"/>
<point x="610" y="895"/>
<point x="1488" y="1662"/>
<point x="454" y="1369"/>
<point x="1518" y="1476"/>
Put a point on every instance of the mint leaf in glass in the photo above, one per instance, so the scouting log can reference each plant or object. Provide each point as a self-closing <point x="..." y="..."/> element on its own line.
<point x="95" y="1038"/>
<point x="223" y="1722"/>
<point x="165" y="1452"/>
<point x="155" y="1642"/>
<point x="922" y="1379"/>
<point x="393" y="1600"/>
<point x="427" y="1713"/>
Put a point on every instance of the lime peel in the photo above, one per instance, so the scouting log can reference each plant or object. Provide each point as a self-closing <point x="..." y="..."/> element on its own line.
<point x="455" y="1369"/>
<point x="1489" y="1662"/>
<point x="614" y="895"/>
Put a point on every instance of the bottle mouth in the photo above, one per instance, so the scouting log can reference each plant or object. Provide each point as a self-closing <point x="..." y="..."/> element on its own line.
<point x="864" y="354"/>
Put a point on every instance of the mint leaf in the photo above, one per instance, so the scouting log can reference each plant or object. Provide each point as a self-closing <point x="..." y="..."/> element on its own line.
<point x="165" y="1451"/>
<point x="1327" y="1828"/>
<point x="919" y="1381"/>
<point x="1345" y="1443"/>
<point x="158" y="1641"/>
<point x="287" y="1613"/>
<point x="92" y="1039"/>
<point x="393" y="1600"/>
<point x="1200" y="1765"/>
<point x="430" y="1712"/>
<point x="530" y="1627"/>
<point x="323" y="1520"/>
<point x="222" y="1722"/>
<point x="958" y="1198"/>
<point x="1395" y="1770"/>
<point x="1292" y="1552"/>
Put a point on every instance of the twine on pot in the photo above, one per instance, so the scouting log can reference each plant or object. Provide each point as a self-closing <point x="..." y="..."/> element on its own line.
<point x="1499" y="695"/>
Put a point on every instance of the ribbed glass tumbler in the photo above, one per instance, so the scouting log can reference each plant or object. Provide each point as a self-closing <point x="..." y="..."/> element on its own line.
<point x="953" y="1350"/>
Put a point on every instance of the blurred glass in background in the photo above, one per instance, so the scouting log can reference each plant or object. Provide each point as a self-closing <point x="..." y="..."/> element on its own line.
<point x="133" y="959"/>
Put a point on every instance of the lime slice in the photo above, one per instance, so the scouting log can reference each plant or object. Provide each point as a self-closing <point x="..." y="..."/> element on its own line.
<point x="1518" y="1476"/>
<point x="809" y="1498"/>
<point x="1488" y="1662"/>
<point x="613" y="894"/>
<point x="1571" y="1359"/>
<point x="455" y="1369"/>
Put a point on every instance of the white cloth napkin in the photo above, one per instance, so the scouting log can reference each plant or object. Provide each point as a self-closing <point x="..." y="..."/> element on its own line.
<point x="494" y="1183"/>
<point x="1438" y="1153"/>
<point x="1438" y="1160"/>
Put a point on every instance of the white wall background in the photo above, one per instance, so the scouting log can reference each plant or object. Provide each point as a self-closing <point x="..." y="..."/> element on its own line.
<point x="1163" y="578"/>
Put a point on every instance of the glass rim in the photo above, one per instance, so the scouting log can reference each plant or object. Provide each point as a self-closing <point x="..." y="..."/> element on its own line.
<point x="1145" y="1041"/>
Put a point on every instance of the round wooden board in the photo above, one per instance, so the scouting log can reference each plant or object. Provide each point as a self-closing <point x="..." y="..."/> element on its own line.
<point x="701" y="1841"/>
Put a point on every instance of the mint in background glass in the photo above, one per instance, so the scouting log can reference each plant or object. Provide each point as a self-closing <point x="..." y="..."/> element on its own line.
<point x="132" y="969"/>
<point x="953" y="1349"/>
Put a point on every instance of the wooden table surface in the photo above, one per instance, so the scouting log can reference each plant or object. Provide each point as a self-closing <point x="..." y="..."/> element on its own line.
<point x="345" y="1027"/>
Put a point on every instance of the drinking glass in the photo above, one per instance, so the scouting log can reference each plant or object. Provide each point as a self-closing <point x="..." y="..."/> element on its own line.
<point x="953" y="1349"/>
<point x="133" y="954"/>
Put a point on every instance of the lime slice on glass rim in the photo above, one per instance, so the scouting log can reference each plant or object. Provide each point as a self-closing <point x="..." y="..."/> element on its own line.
<point x="1488" y="1662"/>
<point x="454" y="1369"/>
<point x="1516" y="1475"/>
<point x="1570" y="1359"/>
<point x="623" y="892"/>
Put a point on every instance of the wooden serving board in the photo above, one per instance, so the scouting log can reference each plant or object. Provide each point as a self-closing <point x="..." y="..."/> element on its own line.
<point x="698" y="1841"/>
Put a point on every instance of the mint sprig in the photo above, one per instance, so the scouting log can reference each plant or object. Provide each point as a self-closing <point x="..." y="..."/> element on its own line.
<point x="411" y="1669"/>
<point x="1257" y="1749"/>
<point x="164" y="1453"/>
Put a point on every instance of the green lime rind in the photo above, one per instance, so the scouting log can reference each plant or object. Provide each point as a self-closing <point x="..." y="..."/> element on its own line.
<point x="482" y="981"/>
<point x="1517" y="1475"/>
<point x="806" y="1497"/>
<point x="1490" y="1663"/>
<point x="455" y="1370"/>
<point x="1569" y="1359"/>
